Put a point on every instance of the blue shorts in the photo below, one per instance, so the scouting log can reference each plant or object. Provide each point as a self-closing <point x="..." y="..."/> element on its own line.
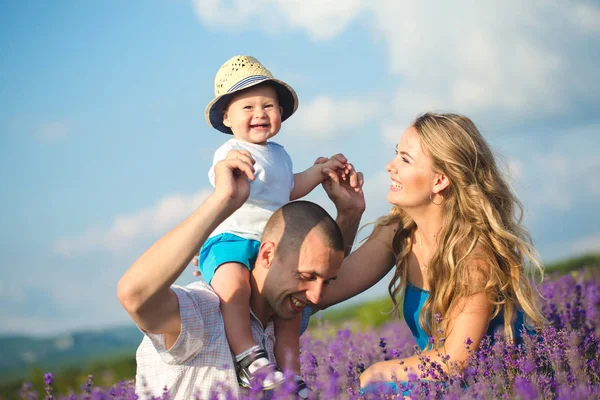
<point x="225" y="248"/>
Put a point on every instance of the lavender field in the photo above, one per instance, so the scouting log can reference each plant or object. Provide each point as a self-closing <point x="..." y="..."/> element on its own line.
<point x="561" y="362"/>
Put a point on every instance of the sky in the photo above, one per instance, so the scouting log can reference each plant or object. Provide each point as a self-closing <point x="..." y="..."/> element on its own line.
<point x="104" y="146"/>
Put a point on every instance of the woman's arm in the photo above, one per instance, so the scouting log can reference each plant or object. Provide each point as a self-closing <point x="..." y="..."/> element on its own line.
<point x="366" y="266"/>
<point x="470" y="321"/>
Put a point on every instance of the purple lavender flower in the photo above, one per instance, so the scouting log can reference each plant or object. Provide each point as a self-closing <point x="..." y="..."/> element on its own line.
<point x="48" y="378"/>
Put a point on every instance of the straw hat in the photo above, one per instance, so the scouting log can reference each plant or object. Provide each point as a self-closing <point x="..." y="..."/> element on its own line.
<point x="239" y="73"/>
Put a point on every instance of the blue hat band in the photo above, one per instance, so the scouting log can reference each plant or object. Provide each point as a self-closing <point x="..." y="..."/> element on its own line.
<point x="247" y="81"/>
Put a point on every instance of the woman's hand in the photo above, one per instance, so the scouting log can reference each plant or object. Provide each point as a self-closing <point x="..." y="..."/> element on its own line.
<point x="343" y="186"/>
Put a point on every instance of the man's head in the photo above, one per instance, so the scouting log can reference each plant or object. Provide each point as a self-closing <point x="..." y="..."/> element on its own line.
<point x="301" y="252"/>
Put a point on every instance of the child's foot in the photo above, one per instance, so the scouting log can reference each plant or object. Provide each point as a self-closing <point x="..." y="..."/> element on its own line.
<point x="254" y="362"/>
<point x="301" y="388"/>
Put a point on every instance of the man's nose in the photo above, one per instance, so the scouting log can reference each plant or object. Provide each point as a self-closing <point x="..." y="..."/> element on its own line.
<point x="313" y="294"/>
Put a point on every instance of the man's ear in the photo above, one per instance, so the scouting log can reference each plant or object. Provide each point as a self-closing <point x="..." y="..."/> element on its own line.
<point x="441" y="182"/>
<point x="226" y="121"/>
<point x="266" y="254"/>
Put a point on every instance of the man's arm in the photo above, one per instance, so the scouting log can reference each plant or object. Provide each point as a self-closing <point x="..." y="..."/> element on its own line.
<point x="144" y="290"/>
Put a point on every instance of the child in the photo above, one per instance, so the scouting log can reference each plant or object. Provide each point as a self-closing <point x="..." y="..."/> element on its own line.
<point x="251" y="104"/>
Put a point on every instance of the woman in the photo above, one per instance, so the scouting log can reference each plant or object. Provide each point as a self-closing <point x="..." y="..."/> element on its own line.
<point x="456" y="242"/>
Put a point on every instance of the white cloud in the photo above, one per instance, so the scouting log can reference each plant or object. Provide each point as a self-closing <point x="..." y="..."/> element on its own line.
<point x="53" y="131"/>
<point x="559" y="173"/>
<point x="391" y="133"/>
<point x="331" y="117"/>
<point x="320" y="19"/>
<point x="515" y="58"/>
<point x="587" y="18"/>
<point x="478" y="59"/>
<point x="128" y="228"/>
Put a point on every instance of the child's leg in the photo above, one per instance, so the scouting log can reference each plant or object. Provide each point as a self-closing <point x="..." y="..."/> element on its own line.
<point x="231" y="282"/>
<point x="287" y="343"/>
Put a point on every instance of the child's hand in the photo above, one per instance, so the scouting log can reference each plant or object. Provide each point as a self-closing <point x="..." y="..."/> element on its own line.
<point x="345" y="173"/>
<point x="195" y="262"/>
<point x="335" y="166"/>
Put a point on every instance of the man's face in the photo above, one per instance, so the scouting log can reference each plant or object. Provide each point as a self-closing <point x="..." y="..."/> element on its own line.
<point x="298" y="278"/>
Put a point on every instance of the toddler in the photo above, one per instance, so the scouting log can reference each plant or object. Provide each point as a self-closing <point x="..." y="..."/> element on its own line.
<point x="251" y="104"/>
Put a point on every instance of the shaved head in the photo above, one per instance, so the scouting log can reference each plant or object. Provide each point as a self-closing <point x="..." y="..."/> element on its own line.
<point x="289" y="226"/>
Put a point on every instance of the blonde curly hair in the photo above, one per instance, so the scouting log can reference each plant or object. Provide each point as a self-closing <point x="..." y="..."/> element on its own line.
<point x="482" y="245"/>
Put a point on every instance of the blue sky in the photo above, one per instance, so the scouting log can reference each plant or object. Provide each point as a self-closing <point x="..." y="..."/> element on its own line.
<point x="104" y="147"/>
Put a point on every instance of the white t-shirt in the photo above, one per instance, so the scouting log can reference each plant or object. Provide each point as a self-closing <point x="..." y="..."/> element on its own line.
<point x="271" y="188"/>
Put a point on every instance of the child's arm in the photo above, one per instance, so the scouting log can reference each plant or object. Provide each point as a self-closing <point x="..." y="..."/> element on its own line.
<point x="306" y="181"/>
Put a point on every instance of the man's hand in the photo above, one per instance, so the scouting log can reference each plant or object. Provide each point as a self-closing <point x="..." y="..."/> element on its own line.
<point x="344" y="186"/>
<point x="231" y="177"/>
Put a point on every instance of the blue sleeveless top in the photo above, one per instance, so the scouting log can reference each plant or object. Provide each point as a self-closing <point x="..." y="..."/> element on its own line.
<point x="415" y="297"/>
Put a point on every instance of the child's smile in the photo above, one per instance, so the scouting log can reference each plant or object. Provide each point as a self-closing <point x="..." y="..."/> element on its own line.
<point x="254" y="115"/>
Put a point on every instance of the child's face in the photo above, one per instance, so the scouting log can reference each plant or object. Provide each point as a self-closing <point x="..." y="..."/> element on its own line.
<point x="254" y="115"/>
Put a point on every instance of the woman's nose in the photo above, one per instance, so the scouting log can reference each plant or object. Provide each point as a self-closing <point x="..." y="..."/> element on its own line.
<point x="390" y="167"/>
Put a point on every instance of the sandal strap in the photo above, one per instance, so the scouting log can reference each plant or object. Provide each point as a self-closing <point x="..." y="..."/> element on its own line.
<point x="253" y="356"/>
<point x="301" y="387"/>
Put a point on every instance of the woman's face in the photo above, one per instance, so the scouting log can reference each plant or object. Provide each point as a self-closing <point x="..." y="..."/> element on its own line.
<point x="411" y="172"/>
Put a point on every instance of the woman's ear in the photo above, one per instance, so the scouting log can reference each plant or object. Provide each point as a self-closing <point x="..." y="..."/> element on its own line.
<point x="266" y="254"/>
<point x="441" y="182"/>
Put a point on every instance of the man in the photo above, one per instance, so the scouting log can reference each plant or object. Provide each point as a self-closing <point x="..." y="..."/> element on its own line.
<point x="185" y="348"/>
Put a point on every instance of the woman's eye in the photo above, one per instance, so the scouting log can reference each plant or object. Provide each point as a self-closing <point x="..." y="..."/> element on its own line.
<point x="405" y="160"/>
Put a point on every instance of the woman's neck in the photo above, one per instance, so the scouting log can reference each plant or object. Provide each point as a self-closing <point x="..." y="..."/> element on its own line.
<point x="429" y="224"/>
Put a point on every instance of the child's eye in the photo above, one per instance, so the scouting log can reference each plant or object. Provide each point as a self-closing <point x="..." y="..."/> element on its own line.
<point x="269" y="106"/>
<point x="247" y="107"/>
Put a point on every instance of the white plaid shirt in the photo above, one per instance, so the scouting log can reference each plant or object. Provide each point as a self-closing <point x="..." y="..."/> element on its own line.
<point x="200" y="359"/>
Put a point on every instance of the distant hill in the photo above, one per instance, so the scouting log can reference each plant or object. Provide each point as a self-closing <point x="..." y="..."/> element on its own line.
<point x="19" y="353"/>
